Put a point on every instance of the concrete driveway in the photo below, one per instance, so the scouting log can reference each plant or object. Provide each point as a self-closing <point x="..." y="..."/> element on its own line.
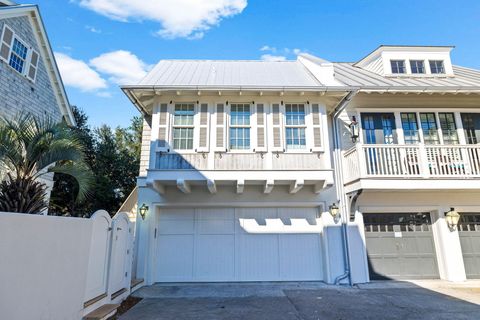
<point x="308" y="301"/>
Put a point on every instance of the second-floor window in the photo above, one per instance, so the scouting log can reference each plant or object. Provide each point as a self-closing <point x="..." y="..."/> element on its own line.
<point x="429" y="128"/>
<point x="398" y="66"/>
<point x="449" y="128"/>
<point x="295" y="126"/>
<point x="18" y="56"/>
<point x="471" y="126"/>
<point x="437" y="67"/>
<point x="183" y="126"/>
<point x="239" y="126"/>
<point x="410" y="127"/>
<point x="417" y="66"/>
<point x="378" y="128"/>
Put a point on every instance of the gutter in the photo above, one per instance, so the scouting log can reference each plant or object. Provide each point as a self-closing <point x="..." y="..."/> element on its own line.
<point x="338" y="166"/>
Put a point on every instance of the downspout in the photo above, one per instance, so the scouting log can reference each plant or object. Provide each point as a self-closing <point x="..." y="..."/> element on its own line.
<point x="338" y="166"/>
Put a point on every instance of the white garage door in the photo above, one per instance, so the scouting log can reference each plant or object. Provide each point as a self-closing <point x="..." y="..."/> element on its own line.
<point x="238" y="244"/>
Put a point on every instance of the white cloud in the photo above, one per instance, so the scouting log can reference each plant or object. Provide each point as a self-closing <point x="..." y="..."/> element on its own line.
<point x="179" y="18"/>
<point x="270" y="57"/>
<point x="122" y="67"/>
<point x="268" y="48"/>
<point x="77" y="74"/>
<point x="93" y="29"/>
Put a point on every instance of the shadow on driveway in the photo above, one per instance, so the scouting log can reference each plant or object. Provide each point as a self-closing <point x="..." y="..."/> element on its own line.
<point x="306" y="301"/>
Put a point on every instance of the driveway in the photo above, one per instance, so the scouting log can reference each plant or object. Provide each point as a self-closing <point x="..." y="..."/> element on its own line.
<point x="308" y="301"/>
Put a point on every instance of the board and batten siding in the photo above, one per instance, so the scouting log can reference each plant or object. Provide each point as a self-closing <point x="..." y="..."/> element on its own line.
<point x="211" y="139"/>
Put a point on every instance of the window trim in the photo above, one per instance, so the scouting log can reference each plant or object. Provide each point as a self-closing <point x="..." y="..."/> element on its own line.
<point x="423" y="66"/>
<point x="404" y="66"/>
<point x="251" y="125"/>
<point x="437" y="73"/>
<point x="174" y="126"/>
<point x="306" y="125"/>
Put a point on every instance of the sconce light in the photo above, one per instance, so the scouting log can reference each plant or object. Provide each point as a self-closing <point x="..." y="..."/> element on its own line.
<point x="354" y="129"/>
<point x="334" y="211"/>
<point x="143" y="211"/>
<point x="452" y="217"/>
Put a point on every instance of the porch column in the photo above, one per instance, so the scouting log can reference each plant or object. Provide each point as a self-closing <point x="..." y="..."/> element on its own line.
<point x="449" y="250"/>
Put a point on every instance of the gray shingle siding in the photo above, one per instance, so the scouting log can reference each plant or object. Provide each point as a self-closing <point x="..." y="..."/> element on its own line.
<point x="17" y="93"/>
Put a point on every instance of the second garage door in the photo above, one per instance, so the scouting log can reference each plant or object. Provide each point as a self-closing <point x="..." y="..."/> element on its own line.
<point x="400" y="246"/>
<point x="238" y="244"/>
<point x="469" y="232"/>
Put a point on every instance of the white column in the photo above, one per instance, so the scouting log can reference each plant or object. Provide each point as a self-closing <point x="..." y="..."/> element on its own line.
<point x="449" y="251"/>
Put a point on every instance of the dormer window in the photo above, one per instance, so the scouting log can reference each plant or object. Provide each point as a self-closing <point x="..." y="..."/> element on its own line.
<point x="398" y="66"/>
<point x="437" y="67"/>
<point x="417" y="66"/>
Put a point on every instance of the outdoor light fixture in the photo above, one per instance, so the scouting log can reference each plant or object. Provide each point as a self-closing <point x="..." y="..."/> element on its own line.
<point x="452" y="218"/>
<point x="354" y="129"/>
<point x="334" y="211"/>
<point x="143" y="211"/>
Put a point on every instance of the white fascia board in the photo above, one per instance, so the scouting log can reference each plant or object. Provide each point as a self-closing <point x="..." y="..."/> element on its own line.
<point x="414" y="184"/>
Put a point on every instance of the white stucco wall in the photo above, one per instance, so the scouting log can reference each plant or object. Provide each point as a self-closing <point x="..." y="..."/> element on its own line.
<point x="43" y="266"/>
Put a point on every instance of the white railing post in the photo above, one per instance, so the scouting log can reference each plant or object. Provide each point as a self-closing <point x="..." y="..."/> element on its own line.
<point x="362" y="164"/>
<point x="423" y="161"/>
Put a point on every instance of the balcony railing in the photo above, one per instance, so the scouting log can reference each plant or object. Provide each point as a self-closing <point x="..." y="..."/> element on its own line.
<point x="411" y="161"/>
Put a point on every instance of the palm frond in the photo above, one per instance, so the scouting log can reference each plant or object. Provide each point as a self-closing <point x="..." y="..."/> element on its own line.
<point x="80" y="172"/>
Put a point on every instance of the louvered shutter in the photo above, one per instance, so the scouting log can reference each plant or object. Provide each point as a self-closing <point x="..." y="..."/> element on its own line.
<point x="261" y="129"/>
<point x="6" y="43"/>
<point x="220" y="128"/>
<point x="203" y="128"/>
<point x="33" y="65"/>
<point x="277" y="126"/>
<point x="162" y="139"/>
<point x="317" y="127"/>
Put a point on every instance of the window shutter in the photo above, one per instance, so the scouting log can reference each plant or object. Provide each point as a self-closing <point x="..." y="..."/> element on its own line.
<point x="203" y="128"/>
<point x="261" y="129"/>
<point x="33" y="66"/>
<point x="6" y="43"/>
<point x="277" y="121"/>
<point x="317" y="127"/>
<point x="220" y="134"/>
<point x="162" y="138"/>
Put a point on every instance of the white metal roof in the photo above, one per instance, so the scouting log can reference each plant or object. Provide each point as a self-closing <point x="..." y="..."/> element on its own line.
<point x="229" y="74"/>
<point x="463" y="79"/>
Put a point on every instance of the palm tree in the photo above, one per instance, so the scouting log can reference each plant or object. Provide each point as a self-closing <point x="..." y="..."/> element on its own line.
<point x="31" y="147"/>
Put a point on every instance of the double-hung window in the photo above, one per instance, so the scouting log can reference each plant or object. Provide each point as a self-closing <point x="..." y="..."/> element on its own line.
<point x="417" y="66"/>
<point x="437" y="67"/>
<point x="295" y="126"/>
<point x="18" y="55"/>
<point x="240" y="126"/>
<point x="183" y="126"/>
<point x="471" y="127"/>
<point x="449" y="128"/>
<point x="398" y="66"/>
<point x="429" y="128"/>
<point x="410" y="127"/>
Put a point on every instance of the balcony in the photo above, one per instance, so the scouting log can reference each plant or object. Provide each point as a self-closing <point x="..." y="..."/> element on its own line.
<point x="402" y="166"/>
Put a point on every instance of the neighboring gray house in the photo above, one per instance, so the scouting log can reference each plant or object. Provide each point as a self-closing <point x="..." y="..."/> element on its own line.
<point x="29" y="77"/>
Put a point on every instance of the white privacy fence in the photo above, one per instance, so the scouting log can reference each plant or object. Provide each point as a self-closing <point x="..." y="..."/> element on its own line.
<point x="427" y="161"/>
<point x="63" y="267"/>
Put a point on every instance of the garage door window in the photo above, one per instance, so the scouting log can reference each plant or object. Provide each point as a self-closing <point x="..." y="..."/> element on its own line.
<point x="392" y="222"/>
<point x="469" y="222"/>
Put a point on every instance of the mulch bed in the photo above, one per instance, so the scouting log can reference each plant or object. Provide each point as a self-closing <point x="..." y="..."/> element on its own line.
<point x="125" y="306"/>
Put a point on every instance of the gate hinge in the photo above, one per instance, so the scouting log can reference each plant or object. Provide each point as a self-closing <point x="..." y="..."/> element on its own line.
<point x="155" y="235"/>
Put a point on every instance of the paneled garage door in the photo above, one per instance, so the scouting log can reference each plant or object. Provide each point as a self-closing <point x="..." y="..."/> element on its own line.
<point x="238" y="244"/>
<point x="400" y="246"/>
<point x="469" y="232"/>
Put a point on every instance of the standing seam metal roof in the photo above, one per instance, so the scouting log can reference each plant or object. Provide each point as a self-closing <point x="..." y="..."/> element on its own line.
<point x="171" y="73"/>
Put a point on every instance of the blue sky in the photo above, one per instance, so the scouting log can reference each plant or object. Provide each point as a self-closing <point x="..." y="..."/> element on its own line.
<point x="101" y="43"/>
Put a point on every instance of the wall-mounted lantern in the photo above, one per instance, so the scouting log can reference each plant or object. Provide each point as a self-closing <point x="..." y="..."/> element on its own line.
<point x="334" y="211"/>
<point x="354" y="129"/>
<point x="452" y="217"/>
<point x="143" y="211"/>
